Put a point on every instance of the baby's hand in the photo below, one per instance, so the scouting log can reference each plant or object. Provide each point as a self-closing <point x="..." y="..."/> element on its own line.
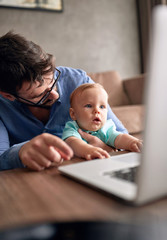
<point x="95" y="152"/>
<point x="136" y="145"/>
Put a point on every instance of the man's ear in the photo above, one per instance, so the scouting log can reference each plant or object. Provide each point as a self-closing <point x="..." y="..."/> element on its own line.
<point x="7" y="96"/>
<point x="72" y="114"/>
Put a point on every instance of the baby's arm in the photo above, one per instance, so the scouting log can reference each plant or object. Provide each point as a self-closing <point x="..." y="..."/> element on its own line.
<point x="96" y="142"/>
<point x="128" y="142"/>
<point x="85" y="150"/>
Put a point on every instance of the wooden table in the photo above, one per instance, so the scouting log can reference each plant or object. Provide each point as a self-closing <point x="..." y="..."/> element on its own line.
<point x="28" y="197"/>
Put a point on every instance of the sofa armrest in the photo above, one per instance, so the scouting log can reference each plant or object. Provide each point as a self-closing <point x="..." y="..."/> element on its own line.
<point x="134" y="89"/>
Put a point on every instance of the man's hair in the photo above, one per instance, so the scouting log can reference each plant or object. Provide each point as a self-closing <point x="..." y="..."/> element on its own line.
<point x="21" y="60"/>
<point x="81" y="89"/>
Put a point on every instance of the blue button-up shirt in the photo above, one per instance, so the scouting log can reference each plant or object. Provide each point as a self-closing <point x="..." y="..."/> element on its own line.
<point x="18" y="125"/>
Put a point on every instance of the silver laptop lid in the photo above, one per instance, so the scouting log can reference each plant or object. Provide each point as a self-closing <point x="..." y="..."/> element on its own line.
<point x="153" y="170"/>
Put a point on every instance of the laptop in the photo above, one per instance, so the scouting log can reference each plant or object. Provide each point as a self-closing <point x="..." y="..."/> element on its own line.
<point x="148" y="168"/>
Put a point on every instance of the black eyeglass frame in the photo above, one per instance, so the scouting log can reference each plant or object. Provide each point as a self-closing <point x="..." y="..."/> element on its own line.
<point x="40" y="102"/>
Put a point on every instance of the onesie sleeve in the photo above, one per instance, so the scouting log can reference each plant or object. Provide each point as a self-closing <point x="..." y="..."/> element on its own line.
<point x="71" y="129"/>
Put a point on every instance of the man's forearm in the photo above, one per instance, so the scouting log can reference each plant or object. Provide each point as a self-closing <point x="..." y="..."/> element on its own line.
<point x="10" y="158"/>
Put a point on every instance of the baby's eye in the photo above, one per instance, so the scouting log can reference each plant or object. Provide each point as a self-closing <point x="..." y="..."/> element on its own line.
<point x="88" y="105"/>
<point x="102" y="107"/>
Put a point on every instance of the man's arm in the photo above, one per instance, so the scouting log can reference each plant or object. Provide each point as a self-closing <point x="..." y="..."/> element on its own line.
<point x="84" y="150"/>
<point x="8" y="155"/>
<point x="44" y="150"/>
<point x="37" y="154"/>
<point x="119" y="126"/>
<point x="4" y="139"/>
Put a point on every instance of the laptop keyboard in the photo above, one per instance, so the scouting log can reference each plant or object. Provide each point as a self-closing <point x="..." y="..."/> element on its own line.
<point x="127" y="174"/>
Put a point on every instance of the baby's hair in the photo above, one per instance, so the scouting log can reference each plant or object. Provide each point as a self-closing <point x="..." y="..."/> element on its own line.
<point x="82" y="88"/>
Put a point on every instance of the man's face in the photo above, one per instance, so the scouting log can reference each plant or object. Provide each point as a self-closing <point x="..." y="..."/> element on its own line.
<point x="90" y="109"/>
<point x="35" y="92"/>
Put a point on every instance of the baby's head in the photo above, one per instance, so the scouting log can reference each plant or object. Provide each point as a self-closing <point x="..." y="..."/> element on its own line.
<point x="89" y="106"/>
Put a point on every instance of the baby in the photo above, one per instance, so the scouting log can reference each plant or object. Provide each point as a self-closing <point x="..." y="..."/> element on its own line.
<point x="89" y="113"/>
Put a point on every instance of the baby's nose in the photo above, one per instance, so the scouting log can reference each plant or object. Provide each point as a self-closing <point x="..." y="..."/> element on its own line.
<point x="96" y="110"/>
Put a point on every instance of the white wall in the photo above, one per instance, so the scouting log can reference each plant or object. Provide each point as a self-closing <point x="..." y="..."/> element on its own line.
<point x="95" y="35"/>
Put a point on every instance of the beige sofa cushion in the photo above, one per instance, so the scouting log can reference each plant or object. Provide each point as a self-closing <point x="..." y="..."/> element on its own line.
<point x="112" y="83"/>
<point x="132" y="117"/>
<point x="134" y="88"/>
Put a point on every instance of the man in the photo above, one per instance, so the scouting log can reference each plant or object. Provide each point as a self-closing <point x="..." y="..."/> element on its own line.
<point x="34" y="104"/>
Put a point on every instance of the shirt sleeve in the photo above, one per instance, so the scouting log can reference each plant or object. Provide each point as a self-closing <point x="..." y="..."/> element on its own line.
<point x="119" y="126"/>
<point x="4" y="139"/>
<point x="9" y="157"/>
<point x="70" y="130"/>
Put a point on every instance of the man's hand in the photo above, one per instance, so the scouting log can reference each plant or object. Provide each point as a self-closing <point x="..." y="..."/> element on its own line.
<point x="40" y="152"/>
<point x="95" y="141"/>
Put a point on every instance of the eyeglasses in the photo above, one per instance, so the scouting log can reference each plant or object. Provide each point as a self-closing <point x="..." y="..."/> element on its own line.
<point x="41" y="101"/>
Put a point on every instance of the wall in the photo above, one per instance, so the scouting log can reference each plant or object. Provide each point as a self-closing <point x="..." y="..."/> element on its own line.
<point x="95" y="35"/>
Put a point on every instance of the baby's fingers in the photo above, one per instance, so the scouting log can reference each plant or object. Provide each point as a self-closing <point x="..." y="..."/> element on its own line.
<point x="97" y="154"/>
<point x="140" y="144"/>
<point x="135" y="147"/>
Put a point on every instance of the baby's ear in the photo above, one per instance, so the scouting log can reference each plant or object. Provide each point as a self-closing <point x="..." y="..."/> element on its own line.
<point x="72" y="114"/>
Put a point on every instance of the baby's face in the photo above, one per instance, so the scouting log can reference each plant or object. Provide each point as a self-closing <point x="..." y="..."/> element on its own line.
<point x="90" y="109"/>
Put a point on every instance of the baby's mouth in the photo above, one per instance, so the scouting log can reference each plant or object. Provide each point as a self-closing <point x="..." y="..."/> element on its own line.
<point x="96" y="120"/>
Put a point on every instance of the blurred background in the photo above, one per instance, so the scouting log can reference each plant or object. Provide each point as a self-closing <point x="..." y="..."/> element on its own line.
<point x="89" y="34"/>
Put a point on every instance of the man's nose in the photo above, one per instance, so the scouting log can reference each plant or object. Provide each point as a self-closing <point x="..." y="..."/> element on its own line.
<point x="53" y="94"/>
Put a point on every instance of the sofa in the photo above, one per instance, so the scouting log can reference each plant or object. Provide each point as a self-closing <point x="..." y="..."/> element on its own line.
<point x="125" y="98"/>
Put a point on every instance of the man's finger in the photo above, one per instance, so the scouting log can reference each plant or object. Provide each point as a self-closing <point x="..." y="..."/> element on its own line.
<point x="51" y="140"/>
